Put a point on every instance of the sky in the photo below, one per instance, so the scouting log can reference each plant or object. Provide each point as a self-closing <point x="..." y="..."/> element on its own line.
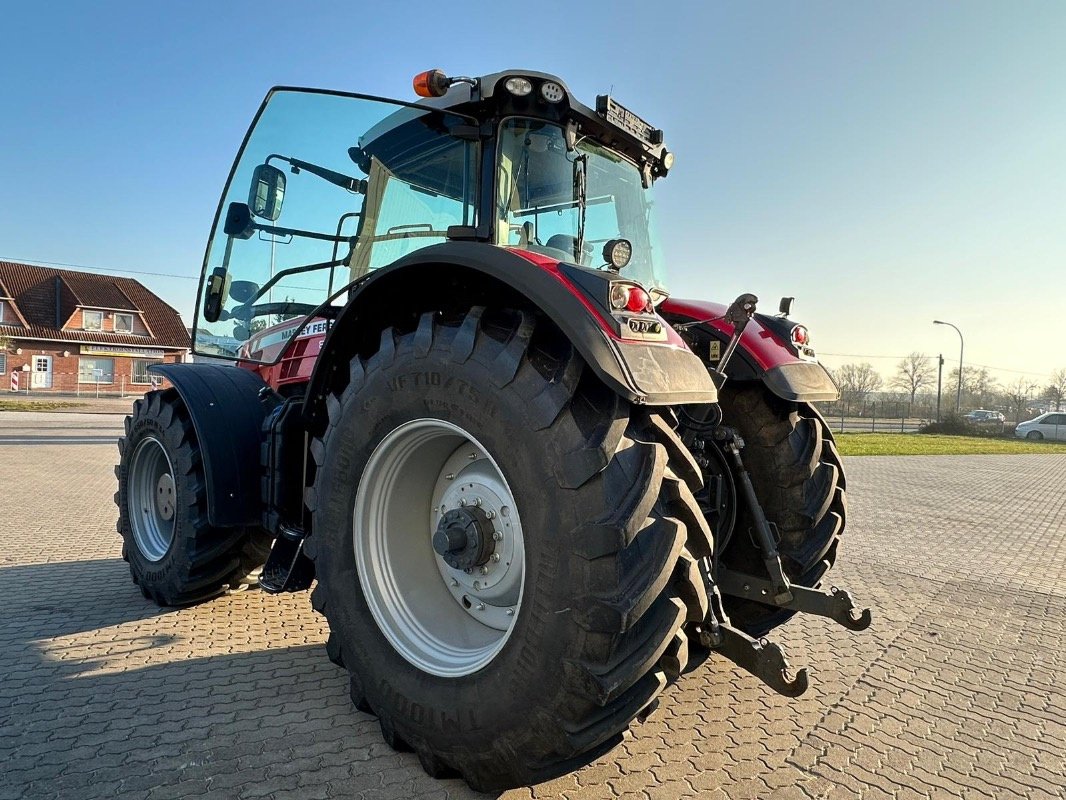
<point x="885" y="163"/>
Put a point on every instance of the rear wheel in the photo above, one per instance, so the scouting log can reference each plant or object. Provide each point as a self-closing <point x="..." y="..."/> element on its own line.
<point x="799" y="480"/>
<point x="175" y="555"/>
<point x="505" y="549"/>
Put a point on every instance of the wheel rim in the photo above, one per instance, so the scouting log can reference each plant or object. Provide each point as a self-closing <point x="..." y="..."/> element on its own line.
<point x="445" y="620"/>
<point x="151" y="499"/>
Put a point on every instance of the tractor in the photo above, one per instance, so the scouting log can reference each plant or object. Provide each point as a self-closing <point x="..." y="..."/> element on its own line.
<point x="439" y="377"/>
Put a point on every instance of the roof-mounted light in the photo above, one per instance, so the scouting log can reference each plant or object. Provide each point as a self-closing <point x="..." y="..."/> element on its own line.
<point x="431" y="83"/>
<point x="517" y="86"/>
<point x="552" y="92"/>
<point x="434" y="83"/>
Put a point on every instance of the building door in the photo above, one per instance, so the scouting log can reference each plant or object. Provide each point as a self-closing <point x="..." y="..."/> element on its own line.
<point x="42" y="373"/>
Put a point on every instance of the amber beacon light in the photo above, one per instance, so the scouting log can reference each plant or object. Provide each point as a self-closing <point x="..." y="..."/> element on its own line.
<point x="431" y="83"/>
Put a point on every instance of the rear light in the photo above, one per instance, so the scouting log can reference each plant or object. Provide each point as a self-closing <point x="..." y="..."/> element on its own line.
<point x="638" y="300"/>
<point x="630" y="297"/>
<point x="800" y="336"/>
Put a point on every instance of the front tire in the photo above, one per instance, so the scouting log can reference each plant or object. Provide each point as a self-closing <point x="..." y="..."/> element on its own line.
<point x="604" y="527"/>
<point x="1036" y="436"/>
<point x="176" y="557"/>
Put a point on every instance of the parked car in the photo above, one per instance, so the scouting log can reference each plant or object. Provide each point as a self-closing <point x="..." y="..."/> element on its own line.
<point x="983" y="417"/>
<point x="1050" y="425"/>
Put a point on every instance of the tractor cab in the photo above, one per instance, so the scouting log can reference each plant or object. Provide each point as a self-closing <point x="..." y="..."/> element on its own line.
<point x="330" y="187"/>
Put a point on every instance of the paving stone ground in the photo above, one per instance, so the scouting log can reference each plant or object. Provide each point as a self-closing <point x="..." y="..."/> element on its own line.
<point x="956" y="691"/>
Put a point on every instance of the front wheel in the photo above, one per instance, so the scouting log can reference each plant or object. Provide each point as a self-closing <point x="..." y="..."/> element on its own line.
<point x="506" y="551"/>
<point x="175" y="555"/>
<point x="1034" y="435"/>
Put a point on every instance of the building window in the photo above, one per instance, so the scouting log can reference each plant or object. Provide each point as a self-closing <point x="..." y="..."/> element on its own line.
<point x="140" y="370"/>
<point x="123" y="323"/>
<point x="2" y="304"/>
<point x="96" y="370"/>
<point x="92" y="320"/>
<point x="3" y="363"/>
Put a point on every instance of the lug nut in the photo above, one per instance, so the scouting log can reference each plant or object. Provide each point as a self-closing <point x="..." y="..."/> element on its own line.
<point x="496" y="536"/>
<point x="477" y="501"/>
<point x="496" y="557"/>
<point x="490" y="514"/>
<point x="462" y="501"/>
<point x="484" y="570"/>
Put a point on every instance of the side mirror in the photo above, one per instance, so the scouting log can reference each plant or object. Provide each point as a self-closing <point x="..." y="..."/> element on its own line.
<point x="243" y="291"/>
<point x="242" y="333"/>
<point x="267" y="192"/>
<point x="784" y="308"/>
<point x="214" y="293"/>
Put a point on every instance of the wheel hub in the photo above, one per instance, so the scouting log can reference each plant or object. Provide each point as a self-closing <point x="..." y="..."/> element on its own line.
<point x="438" y="547"/>
<point x="464" y="538"/>
<point x="164" y="496"/>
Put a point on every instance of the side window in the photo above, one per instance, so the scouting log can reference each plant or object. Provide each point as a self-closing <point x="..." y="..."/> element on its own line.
<point x="123" y="323"/>
<point x="1056" y="419"/>
<point x="92" y="320"/>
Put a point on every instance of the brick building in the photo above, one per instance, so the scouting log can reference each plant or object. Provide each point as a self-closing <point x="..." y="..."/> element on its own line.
<point x="67" y="331"/>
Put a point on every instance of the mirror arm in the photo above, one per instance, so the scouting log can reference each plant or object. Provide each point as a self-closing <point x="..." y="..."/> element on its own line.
<point x="292" y="271"/>
<point x="336" y="178"/>
<point x="276" y="230"/>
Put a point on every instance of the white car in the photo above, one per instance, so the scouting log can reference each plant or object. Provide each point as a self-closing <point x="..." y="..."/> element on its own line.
<point x="1050" y="425"/>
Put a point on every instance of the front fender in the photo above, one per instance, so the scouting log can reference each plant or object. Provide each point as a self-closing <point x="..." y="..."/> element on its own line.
<point x="227" y="416"/>
<point x="762" y="354"/>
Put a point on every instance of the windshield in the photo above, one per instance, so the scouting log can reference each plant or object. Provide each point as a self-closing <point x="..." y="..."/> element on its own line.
<point x="326" y="188"/>
<point x="542" y="208"/>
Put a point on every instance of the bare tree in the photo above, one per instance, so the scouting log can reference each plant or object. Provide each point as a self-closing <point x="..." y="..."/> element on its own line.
<point x="1055" y="391"/>
<point x="1017" y="395"/>
<point x="857" y="380"/>
<point x="978" y="385"/>
<point x="912" y="373"/>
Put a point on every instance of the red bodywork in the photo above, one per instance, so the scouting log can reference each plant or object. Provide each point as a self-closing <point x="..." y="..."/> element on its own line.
<point x="764" y="347"/>
<point x="301" y="353"/>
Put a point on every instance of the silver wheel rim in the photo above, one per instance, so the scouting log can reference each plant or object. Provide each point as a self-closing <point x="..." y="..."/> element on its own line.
<point x="445" y="621"/>
<point x="151" y="498"/>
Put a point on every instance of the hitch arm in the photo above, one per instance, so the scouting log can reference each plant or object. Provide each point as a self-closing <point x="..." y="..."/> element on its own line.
<point x="836" y="604"/>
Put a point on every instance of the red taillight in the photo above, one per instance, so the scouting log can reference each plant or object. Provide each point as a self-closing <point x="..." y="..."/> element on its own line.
<point x="638" y="300"/>
<point x="800" y="335"/>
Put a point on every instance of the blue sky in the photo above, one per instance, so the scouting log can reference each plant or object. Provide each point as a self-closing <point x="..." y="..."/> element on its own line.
<point x="886" y="163"/>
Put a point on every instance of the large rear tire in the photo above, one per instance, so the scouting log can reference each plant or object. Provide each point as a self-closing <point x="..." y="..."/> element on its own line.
<point x="799" y="480"/>
<point x="602" y="522"/>
<point x="176" y="557"/>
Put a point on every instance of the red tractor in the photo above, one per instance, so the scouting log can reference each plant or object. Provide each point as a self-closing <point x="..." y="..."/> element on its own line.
<point x="461" y="400"/>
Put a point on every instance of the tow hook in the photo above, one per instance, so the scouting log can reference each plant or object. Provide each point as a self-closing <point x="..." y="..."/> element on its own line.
<point x="762" y="658"/>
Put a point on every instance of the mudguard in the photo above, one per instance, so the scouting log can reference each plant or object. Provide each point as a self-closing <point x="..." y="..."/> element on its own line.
<point x="227" y="415"/>
<point x="575" y="299"/>
<point x="764" y="353"/>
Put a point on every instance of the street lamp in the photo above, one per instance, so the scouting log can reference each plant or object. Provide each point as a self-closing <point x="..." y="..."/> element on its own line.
<point x="958" y="392"/>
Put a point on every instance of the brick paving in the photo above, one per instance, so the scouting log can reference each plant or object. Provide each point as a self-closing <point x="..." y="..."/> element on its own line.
<point x="956" y="691"/>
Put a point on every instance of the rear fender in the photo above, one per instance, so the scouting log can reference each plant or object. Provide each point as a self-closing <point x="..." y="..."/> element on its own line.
<point x="227" y="415"/>
<point x="459" y="275"/>
<point x="764" y="354"/>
